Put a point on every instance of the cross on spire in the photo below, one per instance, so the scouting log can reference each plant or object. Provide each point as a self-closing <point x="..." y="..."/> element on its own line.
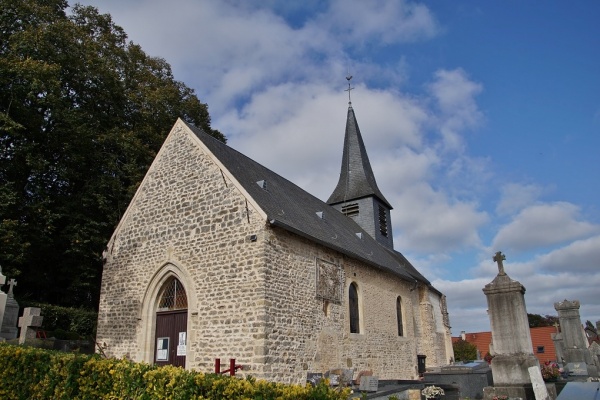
<point x="348" y="77"/>
<point x="499" y="257"/>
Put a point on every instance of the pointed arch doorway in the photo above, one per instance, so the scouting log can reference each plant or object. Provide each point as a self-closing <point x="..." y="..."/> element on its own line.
<point x="171" y="324"/>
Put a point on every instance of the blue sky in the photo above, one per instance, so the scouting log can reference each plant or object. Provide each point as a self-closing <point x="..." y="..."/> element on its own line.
<point x="481" y="119"/>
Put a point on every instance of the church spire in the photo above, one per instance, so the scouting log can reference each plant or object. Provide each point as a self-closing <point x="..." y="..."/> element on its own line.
<point x="356" y="193"/>
<point x="356" y="176"/>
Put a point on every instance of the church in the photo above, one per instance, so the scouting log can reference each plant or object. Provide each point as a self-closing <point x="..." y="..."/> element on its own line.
<point x="220" y="257"/>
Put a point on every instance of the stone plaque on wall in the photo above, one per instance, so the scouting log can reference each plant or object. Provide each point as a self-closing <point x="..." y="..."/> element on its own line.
<point x="329" y="281"/>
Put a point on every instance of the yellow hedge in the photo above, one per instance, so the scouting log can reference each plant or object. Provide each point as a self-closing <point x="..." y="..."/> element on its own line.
<point x="30" y="373"/>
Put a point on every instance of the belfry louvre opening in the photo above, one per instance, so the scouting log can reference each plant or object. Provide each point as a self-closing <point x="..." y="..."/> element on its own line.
<point x="350" y="210"/>
<point x="383" y="225"/>
<point x="173" y="296"/>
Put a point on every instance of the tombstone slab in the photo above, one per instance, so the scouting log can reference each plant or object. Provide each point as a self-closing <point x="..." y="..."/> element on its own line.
<point x="8" y="329"/>
<point x="539" y="387"/>
<point x="3" y="296"/>
<point x="28" y="323"/>
<point x="511" y="337"/>
<point x="577" y="369"/>
<point x="369" y="384"/>
<point x="470" y="378"/>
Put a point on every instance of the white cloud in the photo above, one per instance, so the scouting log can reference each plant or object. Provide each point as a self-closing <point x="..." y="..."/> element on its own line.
<point x="276" y="90"/>
<point x="427" y="221"/>
<point x="380" y="21"/>
<point x="455" y="95"/>
<point x="467" y="305"/>
<point x="515" y="197"/>
<point x="303" y="127"/>
<point x="579" y="257"/>
<point x="543" y="225"/>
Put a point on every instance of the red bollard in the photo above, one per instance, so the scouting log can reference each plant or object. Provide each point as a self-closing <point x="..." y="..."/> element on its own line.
<point x="232" y="367"/>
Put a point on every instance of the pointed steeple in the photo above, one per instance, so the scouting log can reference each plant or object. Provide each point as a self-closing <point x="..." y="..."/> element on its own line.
<point x="356" y="176"/>
<point x="356" y="194"/>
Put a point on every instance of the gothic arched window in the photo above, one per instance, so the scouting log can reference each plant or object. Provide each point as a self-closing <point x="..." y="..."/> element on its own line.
<point x="353" y="304"/>
<point x="399" y="316"/>
<point x="173" y="296"/>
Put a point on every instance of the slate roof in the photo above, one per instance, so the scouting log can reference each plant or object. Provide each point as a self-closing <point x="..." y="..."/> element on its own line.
<point x="356" y="176"/>
<point x="289" y="207"/>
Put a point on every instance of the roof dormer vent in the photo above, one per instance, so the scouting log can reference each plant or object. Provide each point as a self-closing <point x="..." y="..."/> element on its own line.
<point x="262" y="183"/>
<point x="320" y="214"/>
<point x="359" y="235"/>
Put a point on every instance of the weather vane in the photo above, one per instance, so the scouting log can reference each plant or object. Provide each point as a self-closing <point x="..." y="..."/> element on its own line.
<point x="348" y="78"/>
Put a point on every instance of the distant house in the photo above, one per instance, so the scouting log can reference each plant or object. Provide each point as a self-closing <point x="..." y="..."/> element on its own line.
<point x="541" y="340"/>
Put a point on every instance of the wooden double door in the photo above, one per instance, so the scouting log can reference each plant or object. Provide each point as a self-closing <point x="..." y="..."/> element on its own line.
<point x="171" y="338"/>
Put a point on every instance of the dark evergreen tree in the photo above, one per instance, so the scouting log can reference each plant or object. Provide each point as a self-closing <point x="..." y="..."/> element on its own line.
<point x="536" y="320"/>
<point x="82" y="114"/>
<point x="464" y="351"/>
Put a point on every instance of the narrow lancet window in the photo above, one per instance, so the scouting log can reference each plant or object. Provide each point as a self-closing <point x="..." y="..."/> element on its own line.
<point x="353" y="304"/>
<point x="399" y="316"/>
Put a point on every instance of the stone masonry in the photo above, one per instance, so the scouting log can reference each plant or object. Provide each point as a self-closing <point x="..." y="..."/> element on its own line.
<point x="251" y="288"/>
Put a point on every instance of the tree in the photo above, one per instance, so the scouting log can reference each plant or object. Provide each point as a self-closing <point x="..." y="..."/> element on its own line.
<point x="82" y="114"/>
<point x="464" y="351"/>
<point x="536" y="320"/>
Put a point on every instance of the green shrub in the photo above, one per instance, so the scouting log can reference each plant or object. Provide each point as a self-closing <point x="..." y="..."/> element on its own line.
<point x="63" y="335"/>
<point x="464" y="351"/>
<point x="30" y="373"/>
<point x="74" y="320"/>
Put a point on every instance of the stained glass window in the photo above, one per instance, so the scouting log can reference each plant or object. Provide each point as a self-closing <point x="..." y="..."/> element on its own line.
<point x="173" y="296"/>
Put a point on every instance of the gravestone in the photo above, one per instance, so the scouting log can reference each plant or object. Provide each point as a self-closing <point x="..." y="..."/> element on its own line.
<point x="346" y="376"/>
<point x="537" y="382"/>
<point x="511" y="337"/>
<point x="3" y="296"/>
<point x="471" y="378"/>
<point x="579" y="391"/>
<point x="574" y="345"/>
<point x="28" y="323"/>
<point x="369" y="384"/>
<point x="314" y="378"/>
<point x="9" y="328"/>
<point x="577" y="369"/>
<point x="594" y="350"/>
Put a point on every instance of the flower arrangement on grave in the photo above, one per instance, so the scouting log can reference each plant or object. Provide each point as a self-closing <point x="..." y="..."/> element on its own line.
<point x="500" y="397"/>
<point x="488" y="358"/>
<point x="432" y="392"/>
<point x="550" y="371"/>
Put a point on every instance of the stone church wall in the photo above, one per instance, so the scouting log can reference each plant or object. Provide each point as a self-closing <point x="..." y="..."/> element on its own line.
<point x="306" y="333"/>
<point x="278" y="304"/>
<point x="186" y="220"/>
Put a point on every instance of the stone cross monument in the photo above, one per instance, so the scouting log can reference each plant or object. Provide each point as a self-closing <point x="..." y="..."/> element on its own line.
<point x="28" y="323"/>
<point x="511" y="338"/>
<point x="9" y="328"/>
<point x="573" y="347"/>
<point x="3" y="296"/>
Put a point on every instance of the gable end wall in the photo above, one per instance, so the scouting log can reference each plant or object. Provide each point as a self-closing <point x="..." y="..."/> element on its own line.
<point x="187" y="219"/>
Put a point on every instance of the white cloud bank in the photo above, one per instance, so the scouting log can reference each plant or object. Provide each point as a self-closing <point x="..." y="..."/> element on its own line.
<point x="543" y="225"/>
